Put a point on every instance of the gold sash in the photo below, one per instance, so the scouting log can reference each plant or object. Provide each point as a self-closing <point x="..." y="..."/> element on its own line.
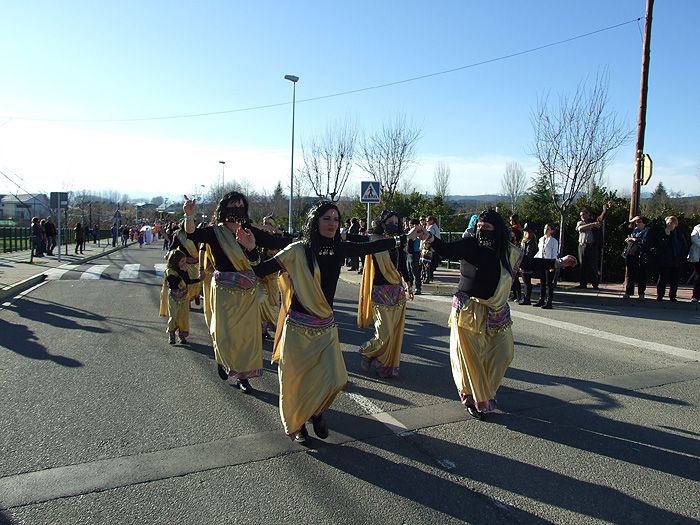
<point x="188" y="244"/>
<point x="231" y="248"/>
<point x="365" y="316"/>
<point x="474" y="315"/>
<point x="298" y="280"/>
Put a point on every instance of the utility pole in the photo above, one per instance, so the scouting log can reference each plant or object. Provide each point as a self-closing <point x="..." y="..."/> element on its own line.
<point x="642" y="124"/>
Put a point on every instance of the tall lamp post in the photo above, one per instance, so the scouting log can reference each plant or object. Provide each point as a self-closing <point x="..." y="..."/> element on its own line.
<point x="293" y="79"/>
<point x="223" y="179"/>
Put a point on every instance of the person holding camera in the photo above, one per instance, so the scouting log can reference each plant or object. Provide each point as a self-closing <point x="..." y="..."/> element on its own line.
<point x="635" y="255"/>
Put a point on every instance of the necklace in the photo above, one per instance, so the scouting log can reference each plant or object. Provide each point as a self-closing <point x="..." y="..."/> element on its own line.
<point x="326" y="250"/>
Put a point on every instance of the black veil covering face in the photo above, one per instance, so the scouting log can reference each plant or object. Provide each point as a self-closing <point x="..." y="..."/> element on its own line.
<point x="225" y="214"/>
<point x="500" y="237"/>
<point x="381" y="227"/>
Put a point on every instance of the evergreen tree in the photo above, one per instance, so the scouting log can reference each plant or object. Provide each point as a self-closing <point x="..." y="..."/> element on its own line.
<point x="537" y="206"/>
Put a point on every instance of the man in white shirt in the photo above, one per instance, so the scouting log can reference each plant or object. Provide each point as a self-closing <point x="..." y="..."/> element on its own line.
<point x="548" y="248"/>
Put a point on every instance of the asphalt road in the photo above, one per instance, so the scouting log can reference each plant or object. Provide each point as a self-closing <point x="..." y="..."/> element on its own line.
<point x="104" y="422"/>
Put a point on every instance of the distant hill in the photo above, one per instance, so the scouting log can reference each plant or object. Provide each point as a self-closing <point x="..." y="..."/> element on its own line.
<point x="475" y="198"/>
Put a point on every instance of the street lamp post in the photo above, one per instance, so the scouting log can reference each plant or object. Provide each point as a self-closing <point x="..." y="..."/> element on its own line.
<point x="293" y="79"/>
<point x="223" y="179"/>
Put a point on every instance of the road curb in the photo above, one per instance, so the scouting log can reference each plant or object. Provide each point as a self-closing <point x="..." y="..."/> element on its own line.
<point x="14" y="289"/>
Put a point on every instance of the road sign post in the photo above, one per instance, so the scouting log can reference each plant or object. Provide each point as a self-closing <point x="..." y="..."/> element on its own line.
<point x="370" y="193"/>
<point x="58" y="200"/>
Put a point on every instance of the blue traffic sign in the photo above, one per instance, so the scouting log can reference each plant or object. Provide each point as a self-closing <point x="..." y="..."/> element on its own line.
<point x="370" y="192"/>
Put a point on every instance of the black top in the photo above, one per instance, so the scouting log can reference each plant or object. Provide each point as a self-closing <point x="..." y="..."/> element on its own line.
<point x="221" y="261"/>
<point x="398" y="259"/>
<point x="330" y="260"/>
<point x="479" y="276"/>
<point x="174" y="280"/>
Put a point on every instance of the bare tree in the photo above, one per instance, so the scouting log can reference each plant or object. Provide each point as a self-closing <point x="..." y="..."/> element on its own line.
<point x="574" y="140"/>
<point x="328" y="160"/>
<point x="514" y="184"/>
<point x="388" y="153"/>
<point x="441" y="179"/>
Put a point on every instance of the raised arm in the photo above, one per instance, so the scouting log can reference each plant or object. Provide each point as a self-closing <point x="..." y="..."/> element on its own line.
<point x="360" y="249"/>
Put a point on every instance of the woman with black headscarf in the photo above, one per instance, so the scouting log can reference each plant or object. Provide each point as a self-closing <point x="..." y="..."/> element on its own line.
<point x="235" y="320"/>
<point x="383" y="301"/>
<point x="311" y="366"/>
<point x="481" y="339"/>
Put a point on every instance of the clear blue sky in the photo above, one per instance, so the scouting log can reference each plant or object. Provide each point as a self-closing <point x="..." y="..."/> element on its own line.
<point x="76" y="60"/>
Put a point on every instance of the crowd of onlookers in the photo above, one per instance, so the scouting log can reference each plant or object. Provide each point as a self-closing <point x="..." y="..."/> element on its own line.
<point x="44" y="235"/>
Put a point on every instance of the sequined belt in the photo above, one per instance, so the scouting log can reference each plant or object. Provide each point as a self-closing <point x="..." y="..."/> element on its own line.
<point x="237" y="280"/>
<point x="178" y="294"/>
<point x="388" y="294"/>
<point x="310" y="321"/>
<point x="496" y="320"/>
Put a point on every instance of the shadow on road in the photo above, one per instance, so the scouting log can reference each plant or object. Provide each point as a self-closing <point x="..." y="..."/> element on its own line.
<point x="25" y="343"/>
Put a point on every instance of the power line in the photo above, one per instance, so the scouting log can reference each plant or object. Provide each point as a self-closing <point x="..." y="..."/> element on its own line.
<point x="351" y="91"/>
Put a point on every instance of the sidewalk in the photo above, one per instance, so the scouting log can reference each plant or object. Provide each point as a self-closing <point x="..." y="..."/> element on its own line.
<point x="18" y="273"/>
<point x="609" y="294"/>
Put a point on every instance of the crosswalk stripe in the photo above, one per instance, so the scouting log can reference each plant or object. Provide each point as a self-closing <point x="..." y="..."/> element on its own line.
<point x="160" y="269"/>
<point x="130" y="271"/>
<point x="54" y="274"/>
<point x="94" y="272"/>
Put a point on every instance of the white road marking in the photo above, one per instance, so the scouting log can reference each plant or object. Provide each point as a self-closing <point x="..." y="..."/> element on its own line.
<point x="94" y="272"/>
<point x="6" y="304"/>
<point x="584" y="330"/>
<point x="377" y="413"/>
<point x="160" y="269"/>
<point x="631" y="341"/>
<point x="130" y="271"/>
<point x="54" y="274"/>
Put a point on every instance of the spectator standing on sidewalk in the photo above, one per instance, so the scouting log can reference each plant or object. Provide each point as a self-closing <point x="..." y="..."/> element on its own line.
<point x="413" y="258"/>
<point x="79" y="238"/>
<point x="635" y="255"/>
<point x="694" y="259"/>
<point x="433" y="229"/>
<point x="547" y="248"/>
<point x="516" y="237"/>
<point x="95" y="233"/>
<point x="50" y="232"/>
<point x="588" y="250"/>
<point x="529" y="248"/>
<point x="670" y="248"/>
<point x="115" y="233"/>
<point x="37" y="237"/>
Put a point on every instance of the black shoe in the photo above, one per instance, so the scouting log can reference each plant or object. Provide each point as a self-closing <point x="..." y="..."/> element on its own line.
<point x="673" y="299"/>
<point x="223" y="374"/>
<point x="183" y="340"/>
<point x="546" y="306"/>
<point x="538" y="304"/>
<point x="524" y="302"/>
<point x="245" y="386"/>
<point x="320" y="427"/>
<point x="476" y="414"/>
<point x="302" y="435"/>
<point x="171" y="338"/>
<point x="659" y="297"/>
<point x="596" y="287"/>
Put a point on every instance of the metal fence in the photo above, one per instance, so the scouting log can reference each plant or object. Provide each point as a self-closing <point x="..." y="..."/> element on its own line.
<point x="14" y="239"/>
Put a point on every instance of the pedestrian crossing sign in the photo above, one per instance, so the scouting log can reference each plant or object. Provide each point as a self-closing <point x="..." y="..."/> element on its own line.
<point x="370" y="192"/>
